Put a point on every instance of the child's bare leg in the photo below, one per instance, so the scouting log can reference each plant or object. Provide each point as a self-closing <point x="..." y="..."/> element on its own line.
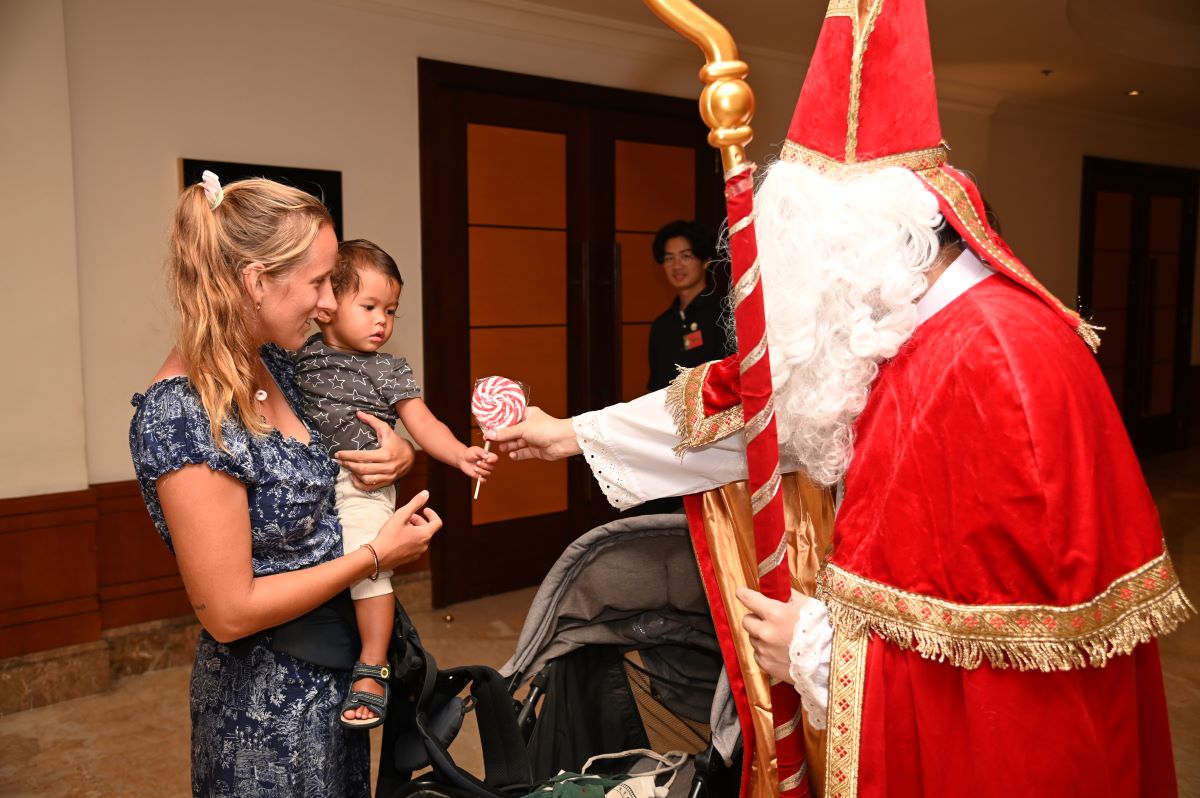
<point x="374" y="616"/>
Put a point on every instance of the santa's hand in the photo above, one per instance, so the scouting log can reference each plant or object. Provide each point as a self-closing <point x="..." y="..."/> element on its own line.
<point x="769" y="624"/>
<point x="539" y="436"/>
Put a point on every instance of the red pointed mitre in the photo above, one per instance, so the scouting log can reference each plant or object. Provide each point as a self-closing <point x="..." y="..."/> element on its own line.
<point x="869" y="102"/>
<point x="869" y="92"/>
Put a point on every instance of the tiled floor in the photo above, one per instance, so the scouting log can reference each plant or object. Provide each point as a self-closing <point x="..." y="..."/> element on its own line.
<point x="133" y="741"/>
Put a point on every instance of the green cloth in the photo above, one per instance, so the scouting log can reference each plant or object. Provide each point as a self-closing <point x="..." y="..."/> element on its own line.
<point x="573" y="785"/>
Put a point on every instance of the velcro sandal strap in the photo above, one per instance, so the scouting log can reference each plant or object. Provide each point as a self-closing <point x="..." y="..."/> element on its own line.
<point x="380" y="673"/>
<point x="359" y="698"/>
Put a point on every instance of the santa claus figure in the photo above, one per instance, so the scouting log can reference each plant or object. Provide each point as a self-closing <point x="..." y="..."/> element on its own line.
<point x="984" y="617"/>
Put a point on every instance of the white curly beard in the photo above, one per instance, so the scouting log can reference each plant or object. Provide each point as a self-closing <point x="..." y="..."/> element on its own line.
<point x="843" y="263"/>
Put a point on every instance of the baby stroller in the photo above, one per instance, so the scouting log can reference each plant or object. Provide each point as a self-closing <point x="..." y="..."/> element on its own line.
<point x="618" y="653"/>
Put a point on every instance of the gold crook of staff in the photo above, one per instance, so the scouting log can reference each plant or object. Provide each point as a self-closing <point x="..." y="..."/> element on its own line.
<point x="727" y="102"/>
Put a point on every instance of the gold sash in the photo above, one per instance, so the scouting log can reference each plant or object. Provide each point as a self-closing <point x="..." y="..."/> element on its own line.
<point x="729" y="530"/>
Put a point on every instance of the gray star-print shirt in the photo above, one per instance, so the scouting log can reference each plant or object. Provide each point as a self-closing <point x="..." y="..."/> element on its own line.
<point x="336" y="384"/>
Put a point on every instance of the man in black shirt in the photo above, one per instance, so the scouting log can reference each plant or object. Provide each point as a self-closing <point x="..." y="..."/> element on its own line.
<point x="691" y="331"/>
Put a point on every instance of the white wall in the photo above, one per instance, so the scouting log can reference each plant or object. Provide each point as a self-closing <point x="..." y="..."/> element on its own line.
<point x="41" y="418"/>
<point x="328" y="84"/>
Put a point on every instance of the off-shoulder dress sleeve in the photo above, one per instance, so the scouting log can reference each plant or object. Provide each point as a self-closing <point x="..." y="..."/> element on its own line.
<point x="170" y="429"/>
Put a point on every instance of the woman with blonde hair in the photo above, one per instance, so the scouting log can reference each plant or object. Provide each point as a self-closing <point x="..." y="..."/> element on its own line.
<point x="241" y="490"/>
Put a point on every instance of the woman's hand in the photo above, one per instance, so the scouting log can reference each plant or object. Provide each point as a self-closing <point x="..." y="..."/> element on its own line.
<point x="405" y="536"/>
<point x="476" y="463"/>
<point x="770" y="625"/>
<point x="371" y="469"/>
<point x="539" y="436"/>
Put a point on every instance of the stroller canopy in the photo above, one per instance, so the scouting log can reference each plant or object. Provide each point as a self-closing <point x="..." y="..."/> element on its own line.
<point x="634" y="584"/>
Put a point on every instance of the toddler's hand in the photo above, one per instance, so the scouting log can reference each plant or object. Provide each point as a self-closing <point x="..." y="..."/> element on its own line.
<point x="476" y="463"/>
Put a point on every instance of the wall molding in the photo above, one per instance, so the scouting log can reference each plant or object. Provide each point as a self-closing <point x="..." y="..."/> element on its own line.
<point x="536" y="22"/>
<point x="48" y="586"/>
<point x="76" y="566"/>
<point x="520" y="19"/>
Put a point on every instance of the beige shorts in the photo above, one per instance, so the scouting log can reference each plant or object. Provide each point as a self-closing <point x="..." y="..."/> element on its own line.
<point x="362" y="513"/>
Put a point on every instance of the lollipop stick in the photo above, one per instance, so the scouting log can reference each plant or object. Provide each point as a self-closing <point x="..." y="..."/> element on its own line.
<point x="487" y="445"/>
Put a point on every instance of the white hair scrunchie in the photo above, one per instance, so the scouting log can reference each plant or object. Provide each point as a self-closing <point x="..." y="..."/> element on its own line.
<point x="212" y="189"/>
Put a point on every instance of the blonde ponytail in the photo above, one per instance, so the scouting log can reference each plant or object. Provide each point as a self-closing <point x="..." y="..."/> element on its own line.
<point x="257" y="221"/>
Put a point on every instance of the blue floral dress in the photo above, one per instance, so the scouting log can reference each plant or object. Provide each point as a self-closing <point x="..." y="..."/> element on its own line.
<point x="264" y="724"/>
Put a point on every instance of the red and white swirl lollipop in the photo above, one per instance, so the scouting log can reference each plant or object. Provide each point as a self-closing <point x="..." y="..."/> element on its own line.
<point x="497" y="402"/>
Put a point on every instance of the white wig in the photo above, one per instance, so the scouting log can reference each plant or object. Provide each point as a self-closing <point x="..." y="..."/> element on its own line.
<point x="843" y="263"/>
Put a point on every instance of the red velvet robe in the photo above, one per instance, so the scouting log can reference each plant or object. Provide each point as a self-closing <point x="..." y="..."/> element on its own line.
<point x="997" y="575"/>
<point x="991" y="468"/>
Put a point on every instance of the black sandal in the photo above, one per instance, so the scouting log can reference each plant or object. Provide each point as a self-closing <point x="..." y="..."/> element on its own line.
<point x="358" y="698"/>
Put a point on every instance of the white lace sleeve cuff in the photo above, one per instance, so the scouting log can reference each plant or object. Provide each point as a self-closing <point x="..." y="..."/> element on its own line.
<point x="631" y="450"/>
<point x="812" y="643"/>
<point x="616" y="482"/>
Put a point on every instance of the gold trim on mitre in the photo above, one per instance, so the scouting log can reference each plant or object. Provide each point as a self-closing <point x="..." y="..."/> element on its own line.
<point x="1136" y="607"/>
<point x="916" y="160"/>
<point x="862" y="34"/>
<point x="862" y="15"/>
<point x="953" y="192"/>
<point x="841" y="8"/>
<point x="685" y="402"/>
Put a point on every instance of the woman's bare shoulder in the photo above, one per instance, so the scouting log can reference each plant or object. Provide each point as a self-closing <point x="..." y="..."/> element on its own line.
<point x="173" y="366"/>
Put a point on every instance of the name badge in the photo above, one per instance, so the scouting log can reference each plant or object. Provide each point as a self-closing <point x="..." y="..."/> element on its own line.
<point x="693" y="340"/>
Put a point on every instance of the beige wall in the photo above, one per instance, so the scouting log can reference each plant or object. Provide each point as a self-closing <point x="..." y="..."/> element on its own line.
<point x="313" y="84"/>
<point x="1036" y="159"/>
<point x="326" y="84"/>
<point x="41" y="418"/>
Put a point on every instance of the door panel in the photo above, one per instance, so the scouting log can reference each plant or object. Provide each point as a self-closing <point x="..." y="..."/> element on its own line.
<point x="502" y="259"/>
<point x="516" y="177"/>
<point x="516" y="226"/>
<point x="655" y="184"/>
<point x="535" y="488"/>
<point x="635" y="364"/>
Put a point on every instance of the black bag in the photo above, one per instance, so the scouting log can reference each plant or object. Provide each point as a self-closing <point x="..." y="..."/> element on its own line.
<point x="425" y="714"/>
<point x="326" y="635"/>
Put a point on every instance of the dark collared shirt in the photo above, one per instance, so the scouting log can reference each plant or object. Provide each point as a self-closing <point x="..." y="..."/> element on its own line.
<point x="688" y="338"/>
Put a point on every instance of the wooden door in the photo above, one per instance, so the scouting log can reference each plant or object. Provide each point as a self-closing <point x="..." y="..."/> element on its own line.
<point x="521" y="277"/>
<point x="1137" y="273"/>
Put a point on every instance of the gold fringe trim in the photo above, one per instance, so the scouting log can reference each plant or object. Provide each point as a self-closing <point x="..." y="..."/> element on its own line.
<point x="685" y="402"/>
<point x="1135" y="608"/>
<point x="1090" y="333"/>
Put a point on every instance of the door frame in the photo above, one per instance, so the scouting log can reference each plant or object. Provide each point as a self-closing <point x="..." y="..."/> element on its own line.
<point x="442" y="87"/>
<point x="1149" y="436"/>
